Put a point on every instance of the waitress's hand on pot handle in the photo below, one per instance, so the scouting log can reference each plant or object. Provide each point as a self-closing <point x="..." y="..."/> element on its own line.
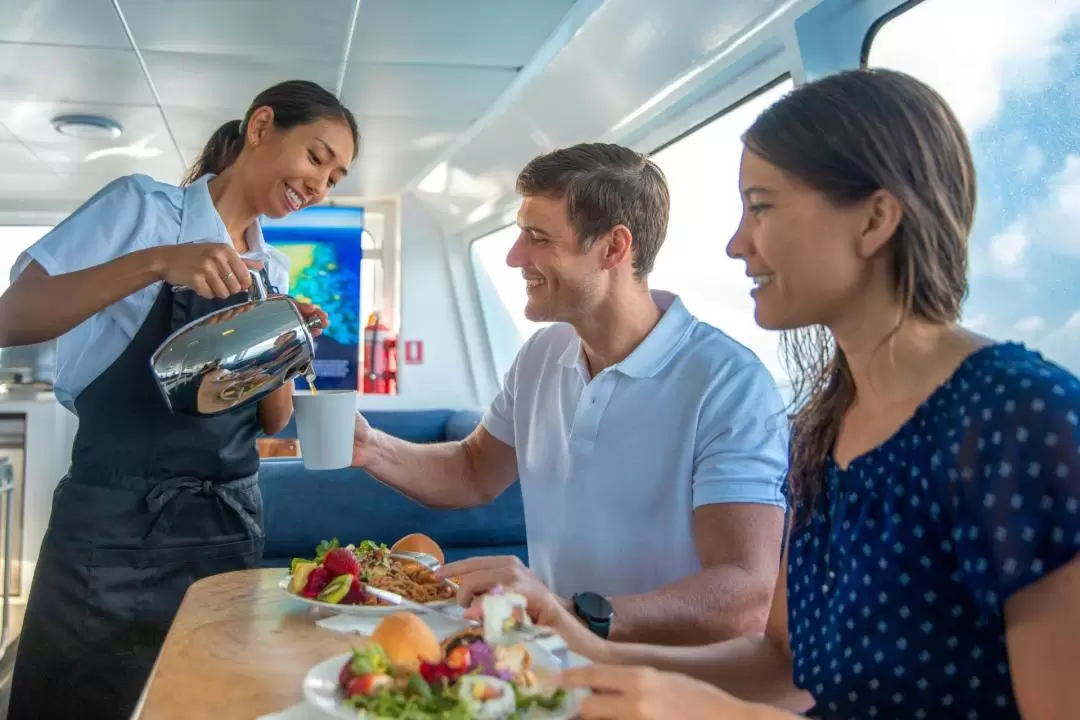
<point x="308" y="311"/>
<point x="210" y="269"/>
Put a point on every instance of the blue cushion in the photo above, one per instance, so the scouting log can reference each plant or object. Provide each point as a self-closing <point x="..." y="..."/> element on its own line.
<point x="419" y="426"/>
<point x="303" y="507"/>
<point x="461" y="424"/>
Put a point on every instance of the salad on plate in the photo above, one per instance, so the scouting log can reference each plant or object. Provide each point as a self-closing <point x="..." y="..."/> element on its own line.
<point x="337" y="573"/>
<point x="404" y="672"/>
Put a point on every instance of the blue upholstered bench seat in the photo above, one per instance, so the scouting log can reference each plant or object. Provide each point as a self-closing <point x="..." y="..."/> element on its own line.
<point x="302" y="507"/>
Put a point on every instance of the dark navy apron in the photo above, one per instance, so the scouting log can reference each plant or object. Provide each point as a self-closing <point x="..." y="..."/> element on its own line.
<point x="152" y="502"/>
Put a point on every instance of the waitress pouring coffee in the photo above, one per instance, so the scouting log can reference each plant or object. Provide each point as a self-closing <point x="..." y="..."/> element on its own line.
<point x="154" y="501"/>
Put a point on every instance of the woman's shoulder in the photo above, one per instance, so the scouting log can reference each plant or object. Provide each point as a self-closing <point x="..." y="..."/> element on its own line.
<point x="1014" y="378"/>
<point x="130" y="200"/>
<point x="1002" y="390"/>
<point x="144" y="186"/>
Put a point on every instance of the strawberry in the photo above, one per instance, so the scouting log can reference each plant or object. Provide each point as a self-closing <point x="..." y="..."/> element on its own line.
<point x="367" y="685"/>
<point x="355" y="596"/>
<point x="341" y="561"/>
<point x="435" y="673"/>
<point x="317" y="580"/>
<point x="346" y="673"/>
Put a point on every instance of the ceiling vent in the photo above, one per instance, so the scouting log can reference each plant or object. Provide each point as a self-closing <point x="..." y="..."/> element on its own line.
<point x="87" y="127"/>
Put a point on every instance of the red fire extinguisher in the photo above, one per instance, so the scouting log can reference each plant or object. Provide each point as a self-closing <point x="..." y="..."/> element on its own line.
<point x="380" y="358"/>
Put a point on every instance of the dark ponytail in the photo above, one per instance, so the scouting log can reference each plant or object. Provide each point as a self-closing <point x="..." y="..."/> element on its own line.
<point x="221" y="151"/>
<point x="294" y="102"/>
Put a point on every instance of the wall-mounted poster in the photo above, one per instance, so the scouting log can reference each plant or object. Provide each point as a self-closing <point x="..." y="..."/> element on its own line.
<point x="323" y="246"/>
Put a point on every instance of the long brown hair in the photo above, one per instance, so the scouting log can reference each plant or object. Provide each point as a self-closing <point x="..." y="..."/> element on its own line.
<point x="848" y="136"/>
<point x="294" y="102"/>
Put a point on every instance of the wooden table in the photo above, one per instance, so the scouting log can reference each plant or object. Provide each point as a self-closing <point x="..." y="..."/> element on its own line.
<point x="238" y="648"/>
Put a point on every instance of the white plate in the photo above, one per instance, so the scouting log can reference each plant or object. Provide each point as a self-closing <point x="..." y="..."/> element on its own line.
<point x="360" y="610"/>
<point x="322" y="692"/>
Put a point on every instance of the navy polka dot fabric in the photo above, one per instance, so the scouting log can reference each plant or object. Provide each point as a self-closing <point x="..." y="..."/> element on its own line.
<point x="897" y="583"/>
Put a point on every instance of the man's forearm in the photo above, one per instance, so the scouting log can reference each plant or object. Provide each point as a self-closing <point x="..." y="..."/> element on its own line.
<point x="438" y="475"/>
<point x="715" y="604"/>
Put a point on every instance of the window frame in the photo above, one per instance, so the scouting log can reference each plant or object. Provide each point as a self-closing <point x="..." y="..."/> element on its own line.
<point x="725" y="111"/>
<point x="883" y="19"/>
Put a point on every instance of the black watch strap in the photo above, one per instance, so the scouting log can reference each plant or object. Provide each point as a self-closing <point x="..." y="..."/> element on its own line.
<point x="595" y="611"/>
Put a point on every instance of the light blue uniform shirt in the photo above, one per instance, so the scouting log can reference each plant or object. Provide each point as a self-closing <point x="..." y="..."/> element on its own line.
<point x="130" y="213"/>
<point x="612" y="469"/>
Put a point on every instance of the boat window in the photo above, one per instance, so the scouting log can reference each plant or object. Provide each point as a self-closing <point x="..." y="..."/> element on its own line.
<point x="502" y="296"/>
<point x="702" y="170"/>
<point x="1009" y="71"/>
<point x="13" y="240"/>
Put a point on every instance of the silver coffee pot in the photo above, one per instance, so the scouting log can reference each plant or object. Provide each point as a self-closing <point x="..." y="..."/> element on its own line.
<point x="235" y="356"/>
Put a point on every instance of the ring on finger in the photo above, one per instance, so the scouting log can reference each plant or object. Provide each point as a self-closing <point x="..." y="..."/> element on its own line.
<point x="227" y="275"/>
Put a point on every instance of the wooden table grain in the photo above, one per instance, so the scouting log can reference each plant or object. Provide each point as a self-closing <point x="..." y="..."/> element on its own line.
<point x="238" y="648"/>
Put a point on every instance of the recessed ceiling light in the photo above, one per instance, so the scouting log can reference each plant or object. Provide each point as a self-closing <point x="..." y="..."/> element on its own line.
<point x="87" y="127"/>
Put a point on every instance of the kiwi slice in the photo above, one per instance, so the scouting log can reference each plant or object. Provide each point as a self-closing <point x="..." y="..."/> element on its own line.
<point x="336" y="590"/>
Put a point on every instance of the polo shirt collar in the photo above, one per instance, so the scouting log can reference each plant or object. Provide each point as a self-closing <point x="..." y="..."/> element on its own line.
<point x="652" y="353"/>
<point x="200" y="222"/>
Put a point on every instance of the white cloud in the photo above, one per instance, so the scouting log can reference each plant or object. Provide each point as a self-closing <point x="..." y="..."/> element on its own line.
<point x="1065" y="189"/>
<point x="1006" y="255"/>
<point x="1031" y="161"/>
<point x="1063" y="345"/>
<point x="1029" y="325"/>
<point x="977" y="323"/>
<point x="1055" y="219"/>
<point x="974" y="57"/>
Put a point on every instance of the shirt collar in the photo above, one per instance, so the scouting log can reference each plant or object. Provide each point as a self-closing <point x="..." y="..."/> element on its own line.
<point x="652" y="353"/>
<point x="200" y="222"/>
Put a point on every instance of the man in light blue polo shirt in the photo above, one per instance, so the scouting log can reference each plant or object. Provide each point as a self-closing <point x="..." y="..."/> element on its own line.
<point x="651" y="447"/>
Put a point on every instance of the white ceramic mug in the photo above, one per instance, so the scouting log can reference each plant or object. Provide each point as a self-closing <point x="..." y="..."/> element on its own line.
<point x="325" y="425"/>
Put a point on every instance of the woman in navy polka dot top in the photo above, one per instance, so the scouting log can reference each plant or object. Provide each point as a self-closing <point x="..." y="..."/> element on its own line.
<point x="931" y="570"/>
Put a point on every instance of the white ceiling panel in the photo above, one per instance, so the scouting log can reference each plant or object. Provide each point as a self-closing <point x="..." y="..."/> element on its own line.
<point x="378" y="174"/>
<point x="642" y="48"/>
<point x="272" y="29"/>
<point x="92" y="23"/>
<point x="17" y="158"/>
<point x="453" y="94"/>
<point x="68" y="192"/>
<point x="628" y="58"/>
<point x="382" y="135"/>
<point x="199" y="81"/>
<point x="166" y="167"/>
<point x="379" y="135"/>
<point x="419" y="74"/>
<point x="192" y="127"/>
<point x="74" y="74"/>
<point x="497" y="33"/>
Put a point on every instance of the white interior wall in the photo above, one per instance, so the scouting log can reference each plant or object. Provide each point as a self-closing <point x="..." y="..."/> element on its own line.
<point x="430" y="314"/>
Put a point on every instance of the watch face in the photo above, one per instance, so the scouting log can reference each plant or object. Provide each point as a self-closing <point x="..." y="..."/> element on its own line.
<point x="593" y="605"/>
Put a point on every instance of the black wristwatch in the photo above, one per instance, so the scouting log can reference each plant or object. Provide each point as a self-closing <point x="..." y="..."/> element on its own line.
<point x="595" y="611"/>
